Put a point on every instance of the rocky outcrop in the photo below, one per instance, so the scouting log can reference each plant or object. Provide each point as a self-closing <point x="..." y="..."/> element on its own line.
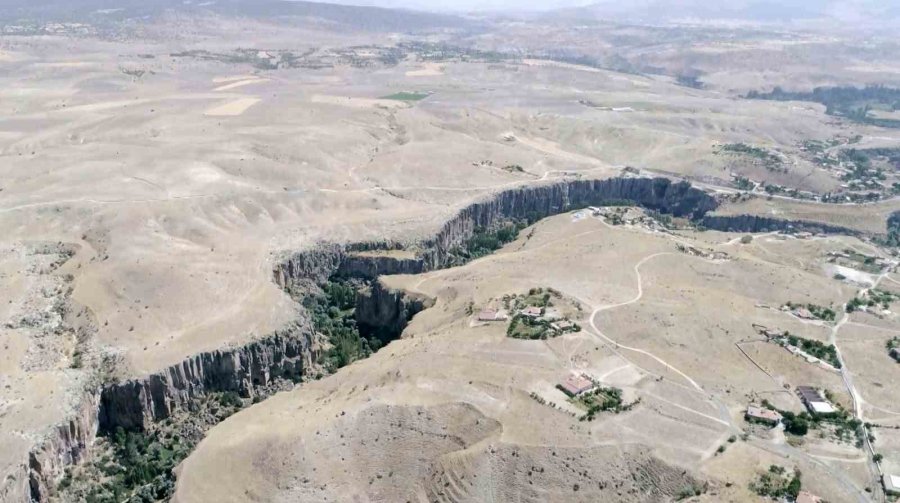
<point x="893" y="223"/>
<point x="315" y="265"/>
<point x="135" y="403"/>
<point x="529" y="203"/>
<point x="372" y="266"/>
<point x="754" y="223"/>
<point x="65" y="445"/>
<point x="533" y="203"/>
<point x="384" y="313"/>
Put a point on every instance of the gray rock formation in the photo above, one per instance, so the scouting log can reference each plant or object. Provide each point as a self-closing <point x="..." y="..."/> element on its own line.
<point x="65" y="445"/>
<point x="533" y="203"/>
<point x="523" y="203"/>
<point x="384" y="313"/>
<point x="135" y="403"/>
<point x="356" y="266"/>
<point x="754" y="223"/>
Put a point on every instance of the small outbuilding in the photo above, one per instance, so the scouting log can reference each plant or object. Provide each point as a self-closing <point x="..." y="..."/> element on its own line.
<point x="562" y="325"/>
<point x="891" y="483"/>
<point x="551" y="314"/>
<point x="575" y="385"/>
<point x="814" y="401"/>
<point x="490" y="314"/>
<point x="762" y="415"/>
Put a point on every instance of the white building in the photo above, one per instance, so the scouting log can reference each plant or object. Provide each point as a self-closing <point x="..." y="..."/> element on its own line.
<point x="891" y="483"/>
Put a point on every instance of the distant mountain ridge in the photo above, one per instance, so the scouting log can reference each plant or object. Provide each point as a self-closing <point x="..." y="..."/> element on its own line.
<point x="365" y="18"/>
<point x="656" y="11"/>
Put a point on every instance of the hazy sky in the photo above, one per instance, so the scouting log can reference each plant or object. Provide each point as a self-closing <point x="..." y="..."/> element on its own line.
<point x="468" y="5"/>
<point x="847" y="10"/>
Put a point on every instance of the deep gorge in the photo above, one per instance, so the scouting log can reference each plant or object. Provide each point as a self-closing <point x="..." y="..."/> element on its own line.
<point x="294" y="353"/>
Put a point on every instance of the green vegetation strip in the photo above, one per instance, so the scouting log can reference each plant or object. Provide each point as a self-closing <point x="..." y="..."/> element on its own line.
<point x="822" y="351"/>
<point x="846" y="427"/>
<point x="875" y="297"/>
<point x="137" y="467"/>
<point x="771" y="161"/>
<point x="818" y="312"/>
<point x="850" y="102"/>
<point x="406" y="96"/>
<point x="601" y="400"/>
<point x="333" y="315"/>
<point x="485" y="241"/>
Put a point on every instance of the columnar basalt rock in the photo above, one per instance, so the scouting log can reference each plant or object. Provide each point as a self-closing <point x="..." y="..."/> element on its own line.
<point x="533" y="203"/>
<point x="384" y="313"/>
<point x="65" y="445"/>
<point x="525" y="203"/>
<point x="359" y="266"/>
<point x="135" y="403"/>
<point x="754" y="223"/>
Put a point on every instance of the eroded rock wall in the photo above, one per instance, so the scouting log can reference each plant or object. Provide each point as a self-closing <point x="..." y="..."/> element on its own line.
<point x="523" y="203"/>
<point x="384" y="313"/>
<point x="358" y="266"/>
<point x="65" y="445"/>
<point x="532" y="203"/>
<point x="135" y="403"/>
<point x="754" y="223"/>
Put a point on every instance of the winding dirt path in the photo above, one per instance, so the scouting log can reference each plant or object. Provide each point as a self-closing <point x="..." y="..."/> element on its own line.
<point x="640" y="293"/>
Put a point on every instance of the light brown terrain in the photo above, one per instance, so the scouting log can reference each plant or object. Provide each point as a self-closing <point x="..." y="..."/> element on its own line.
<point x="147" y="192"/>
<point x="666" y="337"/>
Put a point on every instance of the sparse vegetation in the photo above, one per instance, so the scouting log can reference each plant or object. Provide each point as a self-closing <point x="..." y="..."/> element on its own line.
<point x="777" y="483"/>
<point x="816" y="311"/>
<point x="872" y="298"/>
<point x="743" y="183"/>
<point x="690" y="492"/>
<point x="770" y="161"/>
<point x="406" y="96"/>
<point x="136" y="466"/>
<point x="850" y="102"/>
<point x="543" y="326"/>
<point x="822" y="351"/>
<point x="893" y="346"/>
<point x="692" y="81"/>
<point x="484" y="242"/>
<point x="599" y="400"/>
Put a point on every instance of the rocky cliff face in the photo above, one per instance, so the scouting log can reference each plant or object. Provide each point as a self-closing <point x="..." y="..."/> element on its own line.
<point x="384" y="313"/>
<point x="754" y="223"/>
<point x="893" y="223"/>
<point x="532" y="203"/>
<point x="244" y="370"/>
<point x="65" y="445"/>
<point x="358" y="266"/>
<point x="524" y="203"/>
<point x="315" y="265"/>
